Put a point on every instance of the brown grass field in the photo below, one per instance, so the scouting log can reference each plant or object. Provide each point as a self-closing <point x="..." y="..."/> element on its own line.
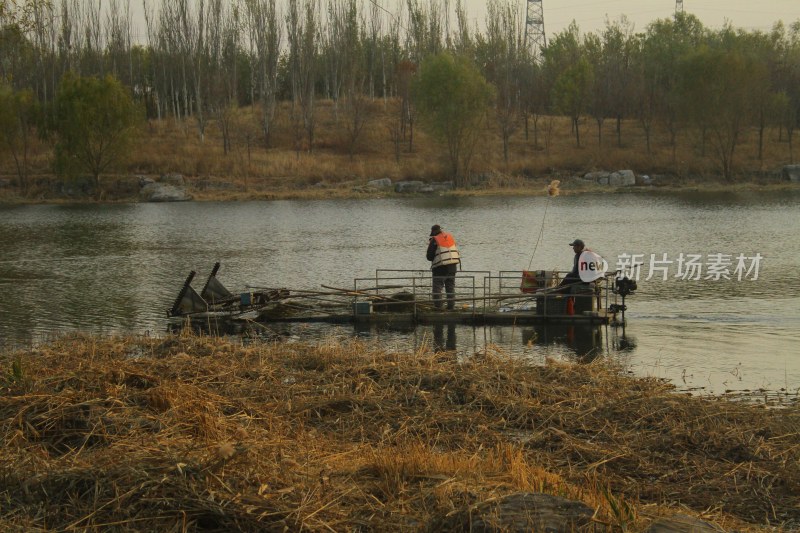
<point x="252" y="171"/>
<point x="193" y="433"/>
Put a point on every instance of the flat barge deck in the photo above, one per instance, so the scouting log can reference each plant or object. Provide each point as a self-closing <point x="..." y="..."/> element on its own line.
<point x="403" y="297"/>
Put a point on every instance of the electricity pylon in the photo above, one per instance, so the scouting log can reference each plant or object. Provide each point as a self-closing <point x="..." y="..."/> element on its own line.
<point x="535" y="37"/>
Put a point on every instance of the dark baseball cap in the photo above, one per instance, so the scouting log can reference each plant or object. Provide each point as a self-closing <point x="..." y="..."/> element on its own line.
<point x="578" y="242"/>
<point x="436" y="230"/>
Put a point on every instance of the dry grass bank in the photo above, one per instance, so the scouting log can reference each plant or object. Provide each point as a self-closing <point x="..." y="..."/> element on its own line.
<point x="194" y="433"/>
<point x="169" y="146"/>
<point x="287" y="169"/>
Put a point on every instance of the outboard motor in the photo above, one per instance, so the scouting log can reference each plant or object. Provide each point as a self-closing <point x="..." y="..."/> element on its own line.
<point x="623" y="286"/>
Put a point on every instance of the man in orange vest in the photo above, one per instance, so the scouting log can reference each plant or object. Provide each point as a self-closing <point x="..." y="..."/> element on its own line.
<point x="445" y="259"/>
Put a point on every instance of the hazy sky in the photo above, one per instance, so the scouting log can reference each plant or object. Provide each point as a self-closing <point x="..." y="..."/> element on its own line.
<point x="590" y="15"/>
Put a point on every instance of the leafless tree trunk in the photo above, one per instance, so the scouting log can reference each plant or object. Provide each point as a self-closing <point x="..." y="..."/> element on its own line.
<point x="374" y="49"/>
<point x="223" y="44"/>
<point x="265" y="33"/>
<point x="357" y="108"/>
<point x="504" y="43"/>
<point x="424" y="30"/>
<point x="341" y="14"/>
<point x="198" y="44"/>
<point x="303" y="48"/>
<point x="117" y="36"/>
<point x="462" y="41"/>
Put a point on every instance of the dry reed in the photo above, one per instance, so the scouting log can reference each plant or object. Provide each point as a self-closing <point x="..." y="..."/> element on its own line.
<point x="195" y="433"/>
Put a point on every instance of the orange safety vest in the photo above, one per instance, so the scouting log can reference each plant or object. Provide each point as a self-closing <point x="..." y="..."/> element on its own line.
<point x="446" y="250"/>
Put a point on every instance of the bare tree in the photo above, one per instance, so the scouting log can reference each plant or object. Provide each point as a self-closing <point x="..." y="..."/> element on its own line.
<point x="502" y="52"/>
<point x="171" y="35"/>
<point x="406" y="71"/>
<point x="424" y="31"/>
<point x="197" y="45"/>
<point x="599" y="98"/>
<point x="303" y="48"/>
<point x="265" y="34"/>
<point x="333" y="51"/>
<point x="118" y="42"/>
<point x="80" y="41"/>
<point x="462" y="43"/>
<point x="391" y="56"/>
<point x="619" y="46"/>
<point x="373" y="49"/>
<point x="17" y="116"/>
<point x="224" y="45"/>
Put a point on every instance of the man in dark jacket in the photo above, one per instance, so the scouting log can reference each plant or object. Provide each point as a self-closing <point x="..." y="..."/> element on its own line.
<point x="444" y="257"/>
<point x="574" y="276"/>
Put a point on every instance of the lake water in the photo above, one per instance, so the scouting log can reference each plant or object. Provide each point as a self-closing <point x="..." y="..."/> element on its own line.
<point x="117" y="268"/>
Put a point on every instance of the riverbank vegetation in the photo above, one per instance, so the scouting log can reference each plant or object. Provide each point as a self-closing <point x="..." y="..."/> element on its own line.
<point x="197" y="433"/>
<point x="258" y="98"/>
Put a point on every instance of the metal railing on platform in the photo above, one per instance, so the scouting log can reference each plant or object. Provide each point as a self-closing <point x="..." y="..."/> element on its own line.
<point x="395" y="289"/>
<point x="481" y="292"/>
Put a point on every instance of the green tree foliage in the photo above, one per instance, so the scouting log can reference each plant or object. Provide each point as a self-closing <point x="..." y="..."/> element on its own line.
<point x="18" y="111"/>
<point x="790" y="86"/>
<point x="571" y="92"/>
<point x="764" y="49"/>
<point x="664" y="44"/>
<point x="614" y="77"/>
<point x="453" y="99"/>
<point x="566" y="64"/>
<point x="717" y="90"/>
<point x="94" y="123"/>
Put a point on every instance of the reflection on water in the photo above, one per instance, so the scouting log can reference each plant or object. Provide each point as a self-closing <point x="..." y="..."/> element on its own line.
<point x="117" y="268"/>
<point x="442" y="344"/>
<point x="585" y="340"/>
<point x="575" y="343"/>
<point x="580" y="343"/>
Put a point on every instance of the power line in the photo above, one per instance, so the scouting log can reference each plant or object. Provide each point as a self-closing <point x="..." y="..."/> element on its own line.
<point x="392" y="15"/>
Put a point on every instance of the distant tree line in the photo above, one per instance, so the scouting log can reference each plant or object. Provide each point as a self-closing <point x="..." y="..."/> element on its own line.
<point x="199" y="60"/>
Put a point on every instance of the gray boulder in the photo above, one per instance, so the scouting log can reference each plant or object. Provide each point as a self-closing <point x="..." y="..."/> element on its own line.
<point x="521" y="512"/>
<point x="144" y="180"/>
<point x="163" y="192"/>
<point x="791" y="173"/>
<point x="622" y="178"/>
<point x="408" y="186"/>
<point x="599" y="177"/>
<point x="382" y="183"/>
<point x="682" y="523"/>
<point x="173" y="179"/>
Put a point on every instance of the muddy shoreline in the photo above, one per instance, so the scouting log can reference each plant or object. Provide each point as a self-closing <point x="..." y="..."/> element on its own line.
<point x="127" y="190"/>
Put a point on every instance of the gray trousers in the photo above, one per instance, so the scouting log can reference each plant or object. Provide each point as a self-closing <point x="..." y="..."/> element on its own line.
<point x="444" y="277"/>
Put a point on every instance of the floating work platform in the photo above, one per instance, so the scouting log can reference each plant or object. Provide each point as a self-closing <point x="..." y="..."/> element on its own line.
<point x="403" y="297"/>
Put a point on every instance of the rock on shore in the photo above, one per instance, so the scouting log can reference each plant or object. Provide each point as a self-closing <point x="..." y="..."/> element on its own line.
<point x="169" y="188"/>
